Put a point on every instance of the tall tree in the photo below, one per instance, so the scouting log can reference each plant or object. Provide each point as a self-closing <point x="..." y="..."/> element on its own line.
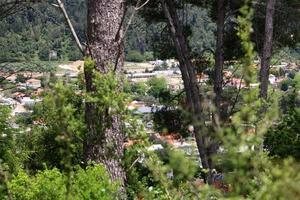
<point x="190" y="82"/>
<point x="267" y="49"/>
<point x="219" y="54"/>
<point x="105" y="46"/>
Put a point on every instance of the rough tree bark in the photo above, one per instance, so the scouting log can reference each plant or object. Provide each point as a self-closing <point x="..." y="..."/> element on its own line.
<point x="105" y="46"/>
<point x="189" y="80"/>
<point x="219" y="56"/>
<point x="267" y="49"/>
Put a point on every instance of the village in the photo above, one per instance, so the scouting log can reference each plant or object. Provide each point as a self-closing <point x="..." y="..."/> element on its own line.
<point x="26" y="88"/>
<point x="21" y="91"/>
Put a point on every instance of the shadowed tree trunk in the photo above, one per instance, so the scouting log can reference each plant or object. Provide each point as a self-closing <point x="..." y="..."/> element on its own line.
<point x="267" y="49"/>
<point x="219" y="57"/>
<point x="104" y="142"/>
<point x="189" y="80"/>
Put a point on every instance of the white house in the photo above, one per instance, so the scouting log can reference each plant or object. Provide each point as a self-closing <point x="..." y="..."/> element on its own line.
<point x="27" y="101"/>
<point x="33" y="83"/>
<point x="272" y="79"/>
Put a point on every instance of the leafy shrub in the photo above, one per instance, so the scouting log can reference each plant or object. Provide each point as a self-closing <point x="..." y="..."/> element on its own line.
<point x="149" y="56"/>
<point x="139" y="88"/>
<point x="172" y="121"/>
<point x="92" y="183"/>
<point x="157" y="86"/>
<point x="135" y="56"/>
<point x="58" y="139"/>
<point x="283" y="140"/>
<point x="8" y="146"/>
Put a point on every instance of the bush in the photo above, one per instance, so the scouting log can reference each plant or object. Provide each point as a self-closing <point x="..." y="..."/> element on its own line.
<point x="157" y="86"/>
<point x="283" y="139"/>
<point x="135" y="56"/>
<point x="139" y="88"/>
<point x="92" y="183"/>
<point x="173" y="121"/>
<point x="149" y="56"/>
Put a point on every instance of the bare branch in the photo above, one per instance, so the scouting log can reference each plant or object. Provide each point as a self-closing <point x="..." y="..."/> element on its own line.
<point x="137" y="7"/>
<point x="140" y="7"/>
<point x="62" y="7"/>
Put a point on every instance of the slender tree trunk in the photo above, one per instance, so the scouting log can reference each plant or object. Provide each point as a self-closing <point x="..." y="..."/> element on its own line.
<point x="218" y="80"/>
<point x="189" y="80"/>
<point x="267" y="49"/>
<point x="104" y="32"/>
<point x="219" y="57"/>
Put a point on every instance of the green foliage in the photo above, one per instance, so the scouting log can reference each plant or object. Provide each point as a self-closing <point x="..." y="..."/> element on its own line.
<point x="135" y="56"/>
<point x="106" y="93"/>
<point x="244" y="33"/>
<point x="281" y="182"/>
<point x="283" y="140"/>
<point x="286" y="27"/>
<point x="149" y="56"/>
<point x="171" y="120"/>
<point x="7" y="159"/>
<point x="57" y="142"/>
<point x="7" y="143"/>
<point x="157" y="86"/>
<point x="47" y="185"/>
<point x="31" y="34"/>
<point x="20" y="78"/>
<point x="91" y="183"/>
<point x="139" y="88"/>
<point x="287" y="54"/>
<point x="167" y="174"/>
<point x="30" y="66"/>
<point x="181" y="170"/>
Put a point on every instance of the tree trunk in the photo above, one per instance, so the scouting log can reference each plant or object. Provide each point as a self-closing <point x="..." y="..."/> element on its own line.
<point x="104" y="33"/>
<point x="189" y="80"/>
<point x="218" y="80"/>
<point x="267" y="49"/>
<point x="219" y="57"/>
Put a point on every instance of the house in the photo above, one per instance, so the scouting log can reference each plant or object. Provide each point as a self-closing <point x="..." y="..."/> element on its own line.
<point x="254" y="85"/>
<point x="27" y="101"/>
<point x="202" y="78"/>
<point x="135" y="104"/>
<point x="272" y="79"/>
<point x="38" y="92"/>
<point x="71" y="74"/>
<point x="141" y="75"/>
<point x="33" y="83"/>
<point x="236" y="83"/>
<point x="53" y="55"/>
<point x="21" y="86"/>
<point x="19" y="110"/>
<point x="7" y="101"/>
<point x="143" y="110"/>
<point x="12" y="78"/>
<point x="18" y="95"/>
<point x="228" y="74"/>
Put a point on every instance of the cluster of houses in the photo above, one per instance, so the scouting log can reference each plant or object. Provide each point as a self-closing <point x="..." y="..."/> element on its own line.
<point x="20" y="102"/>
<point x="173" y="75"/>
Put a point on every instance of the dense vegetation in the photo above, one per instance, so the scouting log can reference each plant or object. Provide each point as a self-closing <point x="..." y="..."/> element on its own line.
<point x="80" y="138"/>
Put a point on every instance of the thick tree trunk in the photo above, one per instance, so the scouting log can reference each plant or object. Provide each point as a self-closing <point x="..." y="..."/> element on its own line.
<point x="104" y="30"/>
<point x="189" y="80"/>
<point x="267" y="49"/>
<point x="219" y="57"/>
